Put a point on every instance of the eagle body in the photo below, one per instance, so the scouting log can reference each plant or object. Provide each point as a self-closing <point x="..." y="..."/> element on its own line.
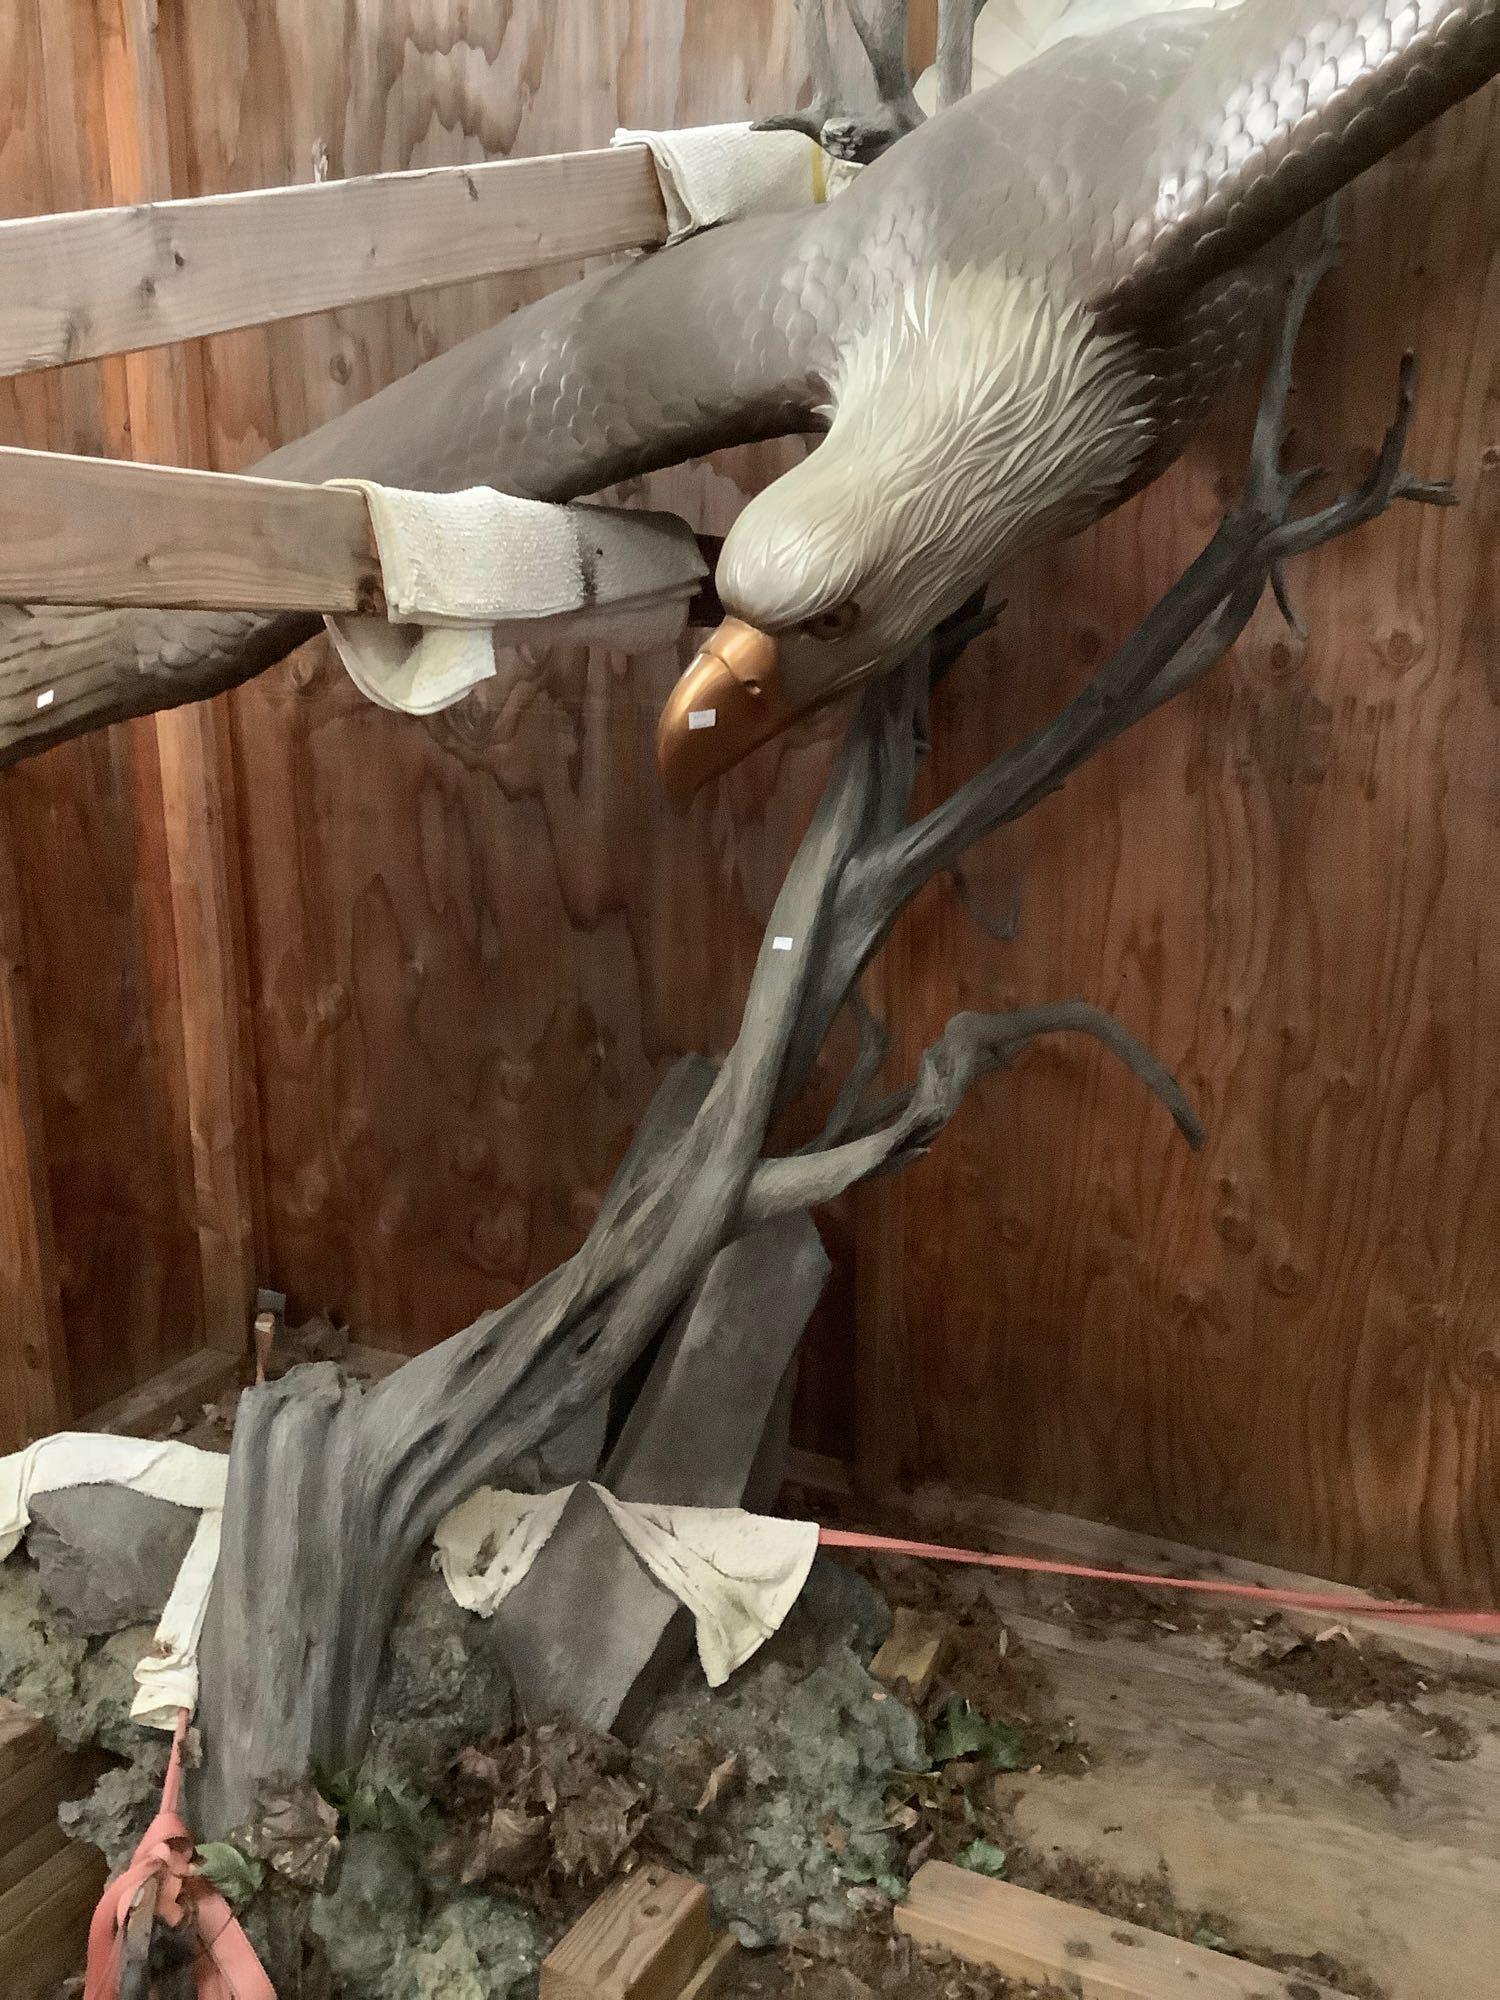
<point x="1012" y="319"/>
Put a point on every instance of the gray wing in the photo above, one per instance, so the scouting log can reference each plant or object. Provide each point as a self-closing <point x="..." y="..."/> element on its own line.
<point x="1284" y="103"/>
<point x="720" y="340"/>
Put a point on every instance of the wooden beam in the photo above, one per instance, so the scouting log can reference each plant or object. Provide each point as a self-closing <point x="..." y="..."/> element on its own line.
<point x="99" y="531"/>
<point x="115" y="280"/>
<point x="1032" y="1937"/>
<point x="35" y="1397"/>
<point x="644" y="1939"/>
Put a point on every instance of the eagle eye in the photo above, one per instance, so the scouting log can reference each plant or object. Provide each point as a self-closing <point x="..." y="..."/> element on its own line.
<point x="833" y="623"/>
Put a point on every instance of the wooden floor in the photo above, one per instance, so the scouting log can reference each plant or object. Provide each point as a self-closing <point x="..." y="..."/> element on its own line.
<point x="1372" y="1835"/>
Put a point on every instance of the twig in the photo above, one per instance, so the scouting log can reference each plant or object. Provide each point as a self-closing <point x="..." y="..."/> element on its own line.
<point x="874" y="1048"/>
<point x="905" y="1126"/>
<point x="955" y="50"/>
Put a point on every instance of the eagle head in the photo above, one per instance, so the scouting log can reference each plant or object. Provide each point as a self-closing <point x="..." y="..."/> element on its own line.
<point x="968" y="419"/>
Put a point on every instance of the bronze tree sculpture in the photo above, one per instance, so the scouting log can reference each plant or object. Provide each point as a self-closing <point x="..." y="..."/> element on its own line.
<point x="1026" y="304"/>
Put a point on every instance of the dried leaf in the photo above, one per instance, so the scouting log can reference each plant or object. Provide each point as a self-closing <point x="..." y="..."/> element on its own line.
<point x="720" y="1778"/>
<point x="510" y="1847"/>
<point x="298" y="1835"/>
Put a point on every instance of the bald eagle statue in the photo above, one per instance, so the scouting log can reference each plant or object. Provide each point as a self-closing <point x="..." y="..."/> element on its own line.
<point x="1013" y="319"/>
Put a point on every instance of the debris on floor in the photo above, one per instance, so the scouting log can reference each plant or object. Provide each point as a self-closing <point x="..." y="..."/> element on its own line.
<point x="1064" y="1739"/>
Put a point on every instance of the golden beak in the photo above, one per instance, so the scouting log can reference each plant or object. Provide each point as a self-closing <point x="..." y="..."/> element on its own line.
<point x="729" y="700"/>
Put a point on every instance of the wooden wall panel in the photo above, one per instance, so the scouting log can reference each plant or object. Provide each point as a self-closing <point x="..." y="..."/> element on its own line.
<point x="476" y="942"/>
<point x="1288" y="1345"/>
<point x="108" y="1122"/>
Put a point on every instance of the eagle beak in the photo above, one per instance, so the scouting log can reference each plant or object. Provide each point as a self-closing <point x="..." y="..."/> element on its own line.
<point x="729" y="700"/>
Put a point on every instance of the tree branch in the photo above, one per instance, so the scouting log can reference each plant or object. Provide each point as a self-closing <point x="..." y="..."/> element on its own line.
<point x="906" y="1125"/>
<point x="1183" y="635"/>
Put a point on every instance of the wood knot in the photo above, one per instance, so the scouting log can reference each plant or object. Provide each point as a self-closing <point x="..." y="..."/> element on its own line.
<point x="1285" y="1278"/>
<point x="1402" y="648"/>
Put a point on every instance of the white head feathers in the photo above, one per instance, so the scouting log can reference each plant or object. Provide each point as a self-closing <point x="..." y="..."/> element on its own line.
<point x="971" y="417"/>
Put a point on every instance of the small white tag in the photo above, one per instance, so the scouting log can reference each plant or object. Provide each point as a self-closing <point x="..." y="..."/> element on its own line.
<point x="46" y="700"/>
<point x="781" y="944"/>
<point x="702" y="718"/>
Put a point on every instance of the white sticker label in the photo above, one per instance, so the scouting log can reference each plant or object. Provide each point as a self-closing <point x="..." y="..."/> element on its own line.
<point x="46" y="700"/>
<point x="781" y="944"/>
<point x="702" y="718"/>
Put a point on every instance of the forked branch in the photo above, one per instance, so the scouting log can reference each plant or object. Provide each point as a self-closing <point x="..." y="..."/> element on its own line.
<point x="1184" y="634"/>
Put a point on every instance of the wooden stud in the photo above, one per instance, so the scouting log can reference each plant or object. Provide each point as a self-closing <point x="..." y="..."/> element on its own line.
<point x="35" y="1397"/>
<point x="913" y="1652"/>
<point x="1094" y="1957"/>
<point x="117" y="280"/>
<point x="97" y="531"/>
<point x="644" y="1939"/>
<point x="167" y="419"/>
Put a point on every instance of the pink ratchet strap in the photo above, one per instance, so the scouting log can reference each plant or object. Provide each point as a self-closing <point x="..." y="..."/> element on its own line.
<point x="160" y="1882"/>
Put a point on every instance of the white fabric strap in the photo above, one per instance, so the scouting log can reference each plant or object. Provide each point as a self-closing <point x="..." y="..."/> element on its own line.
<point x="738" y="1574"/>
<point x="721" y="173"/>
<point x="465" y="571"/>
<point x="167" y="1678"/>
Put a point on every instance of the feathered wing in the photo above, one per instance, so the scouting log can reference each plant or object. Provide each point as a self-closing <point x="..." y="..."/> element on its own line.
<point x="1008" y="34"/>
<point x="722" y="339"/>
<point x="1284" y="102"/>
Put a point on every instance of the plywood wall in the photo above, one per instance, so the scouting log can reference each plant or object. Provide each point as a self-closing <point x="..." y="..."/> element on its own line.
<point x="1290" y="1342"/>
<point x="470" y="946"/>
<point x="99" y="1283"/>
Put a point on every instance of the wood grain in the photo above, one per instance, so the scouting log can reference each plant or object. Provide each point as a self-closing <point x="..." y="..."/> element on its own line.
<point x="1284" y="1347"/>
<point x="477" y="941"/>
<point x="643" y="1939"/>
<point x="35" y="1394"/>
<point x="94" y="531"/>
<point x="85" y="829"/>
<point x="167" y="419"/>
<point x="113" y="280"/>
<point x="1039" y="1938"/>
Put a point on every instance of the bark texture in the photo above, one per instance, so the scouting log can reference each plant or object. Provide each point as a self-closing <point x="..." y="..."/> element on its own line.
<point x="333" y="1490"/>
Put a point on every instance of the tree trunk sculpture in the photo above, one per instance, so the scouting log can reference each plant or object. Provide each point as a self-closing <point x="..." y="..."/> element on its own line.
<point x="333" y="1489"/>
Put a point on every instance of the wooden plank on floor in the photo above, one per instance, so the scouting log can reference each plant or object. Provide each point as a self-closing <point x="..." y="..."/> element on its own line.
<point x="99" y="531"/>
<point x="1027" y="1936"/>
<point x="23" y="1736"/>
<point x="107" y="281"/>
<point x="644" y="1939"/>
<point x="44" y="1921"/>
<point x="178" y="1391"/>
<point x="1362" y="1828"/>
